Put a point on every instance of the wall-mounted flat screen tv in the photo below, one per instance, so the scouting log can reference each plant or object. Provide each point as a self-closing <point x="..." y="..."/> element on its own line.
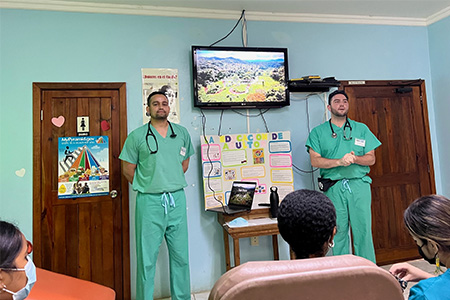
<point x="240" y="77"/>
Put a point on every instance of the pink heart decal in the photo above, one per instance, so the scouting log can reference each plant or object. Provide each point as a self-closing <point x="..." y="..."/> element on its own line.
<point x="59" y="121"/>
<point x="105" y="125"/>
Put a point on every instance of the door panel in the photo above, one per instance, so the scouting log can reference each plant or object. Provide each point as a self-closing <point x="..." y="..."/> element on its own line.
<point x="403" y="170"/>
<point x="84" y="237"/>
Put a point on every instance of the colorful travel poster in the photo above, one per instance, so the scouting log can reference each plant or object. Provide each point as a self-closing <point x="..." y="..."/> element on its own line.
<point x="83" y="166"/>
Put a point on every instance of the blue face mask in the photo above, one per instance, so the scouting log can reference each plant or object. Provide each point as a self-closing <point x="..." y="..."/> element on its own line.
<point x="30" y="271"/>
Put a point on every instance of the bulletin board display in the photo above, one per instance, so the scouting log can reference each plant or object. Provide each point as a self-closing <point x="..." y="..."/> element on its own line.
<point x="265" y="158"/>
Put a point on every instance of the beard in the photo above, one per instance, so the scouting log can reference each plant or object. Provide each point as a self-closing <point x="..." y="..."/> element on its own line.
<point x="160" y="115"/>
<point x="337" y="113"/>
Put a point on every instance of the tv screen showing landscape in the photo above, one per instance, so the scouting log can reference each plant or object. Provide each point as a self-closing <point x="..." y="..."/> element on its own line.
<point x="238" y="77"/>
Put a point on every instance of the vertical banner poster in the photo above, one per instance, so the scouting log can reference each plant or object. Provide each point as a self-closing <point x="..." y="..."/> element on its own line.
<point x="166" y="81"/>
<point x="265" y="158"/>
<point x="83" y="164"/>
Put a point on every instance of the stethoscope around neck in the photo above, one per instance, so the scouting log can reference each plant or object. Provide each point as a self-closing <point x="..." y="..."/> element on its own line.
<point x="150" y="133"/>
<point x="347" y="124"/>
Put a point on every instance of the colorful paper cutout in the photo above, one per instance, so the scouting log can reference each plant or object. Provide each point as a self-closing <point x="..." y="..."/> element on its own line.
<point x="105" y="125"/>
<point x="20" y="172"/>
<point x="59" y="121"/>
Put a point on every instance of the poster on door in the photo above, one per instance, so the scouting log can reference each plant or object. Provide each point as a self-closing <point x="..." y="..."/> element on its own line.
<point x="83" y="166"/>
<point x="265" y="158"/>
<point x="163" y="80"/>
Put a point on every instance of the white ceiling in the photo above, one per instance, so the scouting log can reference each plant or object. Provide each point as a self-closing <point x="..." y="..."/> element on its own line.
<point x="414" y="10"/>
<point x="386" y="8"/>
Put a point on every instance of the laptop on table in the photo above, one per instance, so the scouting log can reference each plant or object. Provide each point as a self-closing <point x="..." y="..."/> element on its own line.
<point x="241" y="198"/>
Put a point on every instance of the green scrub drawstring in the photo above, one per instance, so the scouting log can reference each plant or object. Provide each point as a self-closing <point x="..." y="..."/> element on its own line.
<point x="345" y="185"/>
<point x="166" y="202"/>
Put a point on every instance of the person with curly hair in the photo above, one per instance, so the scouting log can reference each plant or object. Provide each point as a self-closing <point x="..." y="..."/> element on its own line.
<point x="307" y="222"/>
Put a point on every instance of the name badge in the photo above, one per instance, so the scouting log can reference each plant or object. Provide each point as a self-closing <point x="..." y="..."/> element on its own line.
<point x="183" y="151"/>
<point x="360" y="142"/>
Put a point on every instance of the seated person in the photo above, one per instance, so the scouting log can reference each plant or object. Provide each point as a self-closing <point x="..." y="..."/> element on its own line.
<point x="17" y="271"/>
<point x="307" y="222"/>
<point x="428" y="222"/>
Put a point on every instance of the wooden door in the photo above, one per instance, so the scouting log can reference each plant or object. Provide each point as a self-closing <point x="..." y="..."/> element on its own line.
<point x="396" y="112"/>
<point x="86" y="237"/>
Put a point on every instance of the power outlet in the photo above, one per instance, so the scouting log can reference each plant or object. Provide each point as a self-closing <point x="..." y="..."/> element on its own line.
<point x="254" y="241"/>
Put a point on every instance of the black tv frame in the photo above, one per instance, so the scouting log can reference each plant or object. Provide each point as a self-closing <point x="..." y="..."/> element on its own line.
<point x="241" y="104"/>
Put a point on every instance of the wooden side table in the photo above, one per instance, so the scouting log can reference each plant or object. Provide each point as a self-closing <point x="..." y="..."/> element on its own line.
<point x="259" y="225"/>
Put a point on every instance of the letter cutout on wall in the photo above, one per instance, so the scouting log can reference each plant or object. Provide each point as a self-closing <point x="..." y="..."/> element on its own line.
<point x="265" y="158"/>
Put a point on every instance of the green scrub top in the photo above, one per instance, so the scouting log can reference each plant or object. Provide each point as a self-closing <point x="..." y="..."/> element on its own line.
<point x="163" y="171"/>
<point x="362" y="141"/>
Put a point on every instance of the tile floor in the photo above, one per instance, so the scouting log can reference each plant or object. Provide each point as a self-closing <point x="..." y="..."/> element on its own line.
<point x="420" y="263"/>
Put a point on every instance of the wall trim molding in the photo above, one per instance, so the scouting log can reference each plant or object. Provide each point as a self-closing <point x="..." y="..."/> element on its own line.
<point x="89" y="7"/>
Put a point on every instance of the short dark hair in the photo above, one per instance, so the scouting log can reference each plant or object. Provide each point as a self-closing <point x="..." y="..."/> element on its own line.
<point x="153" y="94"/>
<point x="10" y="244"/>
<point x="306" y="220"/>
<point x="337" y="92"/>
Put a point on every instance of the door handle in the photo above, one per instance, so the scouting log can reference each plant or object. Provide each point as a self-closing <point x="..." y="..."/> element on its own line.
<point x="113" y="194"/>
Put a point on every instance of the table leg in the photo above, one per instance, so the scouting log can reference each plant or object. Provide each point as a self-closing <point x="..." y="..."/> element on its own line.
<point x="227" y="249"/>
<point x="237" y="257"/>
<point x="276" y="255"/>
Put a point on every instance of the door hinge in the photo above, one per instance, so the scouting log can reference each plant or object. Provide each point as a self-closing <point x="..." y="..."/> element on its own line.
<point x="42" y="115"/>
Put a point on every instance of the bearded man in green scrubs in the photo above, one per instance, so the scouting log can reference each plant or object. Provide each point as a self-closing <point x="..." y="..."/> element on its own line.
<point x="344" y="149"/>
<point x="155" y="157"/>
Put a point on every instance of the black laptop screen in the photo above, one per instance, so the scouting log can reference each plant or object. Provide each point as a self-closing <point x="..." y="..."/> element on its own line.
<point x="242" y="194"/>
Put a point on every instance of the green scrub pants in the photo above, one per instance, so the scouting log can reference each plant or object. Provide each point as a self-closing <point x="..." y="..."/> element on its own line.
<point x="352" y="200"/>
<point x="158" y="216"/>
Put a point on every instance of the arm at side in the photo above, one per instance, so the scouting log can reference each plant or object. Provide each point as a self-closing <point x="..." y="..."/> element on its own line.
<point x="128" y="170"/>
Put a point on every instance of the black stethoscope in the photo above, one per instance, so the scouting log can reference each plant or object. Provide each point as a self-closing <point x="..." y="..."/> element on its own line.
<point x="150" y="132"/>
<point x="347" y="124"/>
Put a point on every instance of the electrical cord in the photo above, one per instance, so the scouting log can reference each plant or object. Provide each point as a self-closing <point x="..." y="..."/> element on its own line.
<point x="210" y="161"/>
<point x="220" y="122"/>
<point x="264" y="120"/>
<point x="237" y="23"/>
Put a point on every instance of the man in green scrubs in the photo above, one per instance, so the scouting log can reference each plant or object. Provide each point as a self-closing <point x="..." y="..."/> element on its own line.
<point x="155" y="157"/>
<point x="344" y="149"/>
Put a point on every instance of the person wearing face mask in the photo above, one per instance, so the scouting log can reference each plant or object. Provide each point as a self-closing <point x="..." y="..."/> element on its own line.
<point x="17" y="271"/>
<point x="428" y="222"/>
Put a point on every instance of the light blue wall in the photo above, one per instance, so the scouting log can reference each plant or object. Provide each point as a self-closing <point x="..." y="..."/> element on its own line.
<point x="439" y="42"/>
<point x="39" y="46"/>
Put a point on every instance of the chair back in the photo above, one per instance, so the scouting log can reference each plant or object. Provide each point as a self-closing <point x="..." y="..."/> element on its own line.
<point x="345" y="277"/>
<point x="54" y="286"/>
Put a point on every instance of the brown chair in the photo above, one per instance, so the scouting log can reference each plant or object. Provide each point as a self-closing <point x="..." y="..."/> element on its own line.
<point x="344" y="277"/>
<point x="54" y="286"/>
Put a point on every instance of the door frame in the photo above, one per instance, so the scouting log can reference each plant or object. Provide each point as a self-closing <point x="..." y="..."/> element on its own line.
<point x="38" y="89"/>
<point x="424" y="105"/>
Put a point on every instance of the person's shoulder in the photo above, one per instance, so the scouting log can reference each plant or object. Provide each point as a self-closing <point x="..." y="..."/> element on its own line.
<point x="431" y="288"/>
<point x="356" y="124"/>
<point x="179" y="128"/>
<point x="139" y="130"/>
<point x="321" y="127"/>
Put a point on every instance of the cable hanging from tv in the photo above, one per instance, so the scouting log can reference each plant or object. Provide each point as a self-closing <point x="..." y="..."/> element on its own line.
<point x="244" y="30"/>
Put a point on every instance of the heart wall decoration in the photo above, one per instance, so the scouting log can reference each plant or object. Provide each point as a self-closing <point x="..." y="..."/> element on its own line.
<point x="59" y="121"/>
<point x="105" y="125"/>
<point x="21" y="172"/>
